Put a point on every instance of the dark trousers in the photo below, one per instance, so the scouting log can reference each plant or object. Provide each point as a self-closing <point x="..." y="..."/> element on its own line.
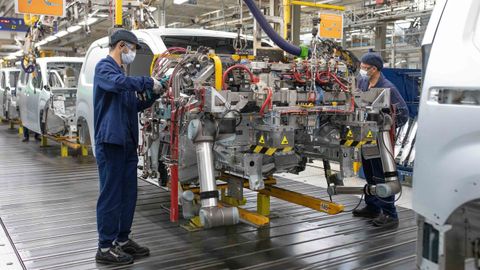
<point x="117" y="167"/>
<point x="26" y="134"/>
<point x="373" y="170"/>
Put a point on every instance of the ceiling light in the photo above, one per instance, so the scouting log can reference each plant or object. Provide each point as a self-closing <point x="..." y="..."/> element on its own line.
<point x="51" y="38"/>
<point x="102" y="15"/>
<point x="91" y="21"/>
<point x="40" y="43"/>
<point x="61" y="33"/>
<point x="179" y="2"/>
<point x="74" y="28"/>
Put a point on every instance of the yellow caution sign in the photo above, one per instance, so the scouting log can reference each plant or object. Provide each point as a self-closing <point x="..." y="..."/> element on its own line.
<point x="262" y="139"/>
<point x="369" y="134"/>
<point x="284" y="140"/>
<point x="350" y="133"/>
<point x="41" y="7"/>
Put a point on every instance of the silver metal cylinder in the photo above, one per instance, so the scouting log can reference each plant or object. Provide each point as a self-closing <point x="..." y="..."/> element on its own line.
<point x="206" y="172"/>
<point x="189" y="210"/>
<point x="335" y="190"/>
<point x="392" y="185"/>
<point x="386" y="154"/>
<point x="214" y="216"/>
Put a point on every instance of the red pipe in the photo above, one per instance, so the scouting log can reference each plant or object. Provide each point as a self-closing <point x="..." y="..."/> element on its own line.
<point x="267" y="101"/>
<point x="253" y="79"/>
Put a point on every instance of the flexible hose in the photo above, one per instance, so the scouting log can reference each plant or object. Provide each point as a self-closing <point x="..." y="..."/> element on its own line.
<point x="238" y="66"/>
<point x="277" y="39"/>
<point x="267" y="102"/>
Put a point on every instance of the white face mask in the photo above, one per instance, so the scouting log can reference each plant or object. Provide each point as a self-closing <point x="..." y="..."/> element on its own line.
<point x="127" y="58"/>
<point x="364" y="74"/>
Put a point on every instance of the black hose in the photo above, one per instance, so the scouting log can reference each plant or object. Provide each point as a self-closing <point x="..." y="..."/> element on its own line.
<point x="278" y="40"/>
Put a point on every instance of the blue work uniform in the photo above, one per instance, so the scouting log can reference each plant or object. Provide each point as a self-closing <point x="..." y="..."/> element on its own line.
<point x="373" y="168"/>
<point x="116" y="108"/>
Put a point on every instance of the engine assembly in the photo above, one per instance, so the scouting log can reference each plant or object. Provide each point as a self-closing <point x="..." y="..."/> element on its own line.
<point x="250" y="119"/>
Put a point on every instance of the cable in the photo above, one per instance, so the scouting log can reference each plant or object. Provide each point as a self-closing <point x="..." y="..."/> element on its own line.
<point x="355" y="208"/>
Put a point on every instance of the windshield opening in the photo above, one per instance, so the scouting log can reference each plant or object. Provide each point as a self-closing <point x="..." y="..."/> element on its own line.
<point x="63" y="75"/>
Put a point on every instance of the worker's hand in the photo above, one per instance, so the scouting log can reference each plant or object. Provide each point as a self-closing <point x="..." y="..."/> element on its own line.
<point x="158" y="87"/>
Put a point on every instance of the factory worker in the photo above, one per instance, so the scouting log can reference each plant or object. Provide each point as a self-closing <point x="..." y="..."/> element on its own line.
<point x="116" y="105"/>
<point x="382" y="211"/>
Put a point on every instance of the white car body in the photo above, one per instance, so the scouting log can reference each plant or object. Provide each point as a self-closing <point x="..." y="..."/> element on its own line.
<point x="153" y="39"/>
<point x="8" y="83"/>
<point x="47" y="102"/>
<point x="446" y="181"/>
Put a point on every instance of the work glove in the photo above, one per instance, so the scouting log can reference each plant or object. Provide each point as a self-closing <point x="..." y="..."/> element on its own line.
<point x="158" y="87"/>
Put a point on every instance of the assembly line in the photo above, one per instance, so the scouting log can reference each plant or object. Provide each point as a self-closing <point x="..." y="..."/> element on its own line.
<point x="266" y="141"/>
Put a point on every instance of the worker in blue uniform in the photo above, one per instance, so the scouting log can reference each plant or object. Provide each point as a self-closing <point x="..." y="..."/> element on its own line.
<point x="382" y="211"/>
<point x="116" y="105"/>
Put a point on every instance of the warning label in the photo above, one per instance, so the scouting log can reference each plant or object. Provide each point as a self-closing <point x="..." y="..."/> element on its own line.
<point x="350" y="133"/>
<point x="284" y="140"/>
<point x="262" y="139"/>
<point x="369" y="134"/>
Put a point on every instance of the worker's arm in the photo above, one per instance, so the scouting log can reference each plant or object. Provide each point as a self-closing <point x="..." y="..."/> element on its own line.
<point x="400" y="107"/>
<point x="143" y="104"/>
<point x="110" y="80"/>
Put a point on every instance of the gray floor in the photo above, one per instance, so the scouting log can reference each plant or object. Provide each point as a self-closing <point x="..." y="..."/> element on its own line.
<point x="47" y="204"/>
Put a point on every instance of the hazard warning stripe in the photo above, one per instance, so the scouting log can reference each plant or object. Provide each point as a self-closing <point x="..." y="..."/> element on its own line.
<point x="358" y="144"/>
<point x="269" y="151"/>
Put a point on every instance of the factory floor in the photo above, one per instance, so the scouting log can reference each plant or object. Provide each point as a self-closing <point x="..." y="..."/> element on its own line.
<point x="47" y="211"/>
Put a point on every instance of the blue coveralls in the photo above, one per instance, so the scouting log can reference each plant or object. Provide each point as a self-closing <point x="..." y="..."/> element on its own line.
<point x="373" y="168"/>
<point x="116" y="108"/>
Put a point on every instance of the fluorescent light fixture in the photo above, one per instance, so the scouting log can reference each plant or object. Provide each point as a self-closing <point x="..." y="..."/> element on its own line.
<point x="41" y="43"/>
<point x="19" y="53"/>
<point x="102" y="15"/>
<point x="51" y="38"/>
<point x="74" y="28"/>
<point x="91" y="21"/>
<point x="179" y="2"/>
<point x="61" y="33"/>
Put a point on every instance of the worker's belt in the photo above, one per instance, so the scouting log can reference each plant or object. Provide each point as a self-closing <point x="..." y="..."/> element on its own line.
<point x="269" y="151"/>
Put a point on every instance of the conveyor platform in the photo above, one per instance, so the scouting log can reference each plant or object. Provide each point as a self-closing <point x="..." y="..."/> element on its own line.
<point x="47" y="204"/>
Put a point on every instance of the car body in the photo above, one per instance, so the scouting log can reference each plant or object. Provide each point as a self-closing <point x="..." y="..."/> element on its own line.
<point x="8" y="83"/>
<point x="154" y="41"/>
<point x="47" y="97"/>
<point x="446" y="180"/>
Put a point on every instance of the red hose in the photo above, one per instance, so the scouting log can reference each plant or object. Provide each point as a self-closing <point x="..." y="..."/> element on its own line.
<point x="253" y="79"/>
<point x="267" y="101"/>
<point x="330" y="76"/>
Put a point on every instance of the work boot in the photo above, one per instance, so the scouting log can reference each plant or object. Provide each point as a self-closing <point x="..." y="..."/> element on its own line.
<point x="385" y="221"/>
<point x="365" y="212"/>
<point x="25" y="140"/>
<point x="115" y="255"/>
<point x="133" y="249"/>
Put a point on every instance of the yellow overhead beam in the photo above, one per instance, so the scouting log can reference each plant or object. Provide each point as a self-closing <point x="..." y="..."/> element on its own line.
<point x="287" y="17"/>
<point x="317" y="5"/>
<point x="118" y="13"/>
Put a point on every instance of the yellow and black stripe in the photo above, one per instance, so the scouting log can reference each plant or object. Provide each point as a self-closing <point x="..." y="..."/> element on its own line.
<point x="357" y="144"/>
<point x="269" y="151"/>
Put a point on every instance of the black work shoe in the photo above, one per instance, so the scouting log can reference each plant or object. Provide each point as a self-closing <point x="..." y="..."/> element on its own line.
<point x="114" y="255"/>
<point x="25" y="140"/>
<point x="365" y="212"/>
<point x="385" y="221"/>
<point x="134" y="249"/>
